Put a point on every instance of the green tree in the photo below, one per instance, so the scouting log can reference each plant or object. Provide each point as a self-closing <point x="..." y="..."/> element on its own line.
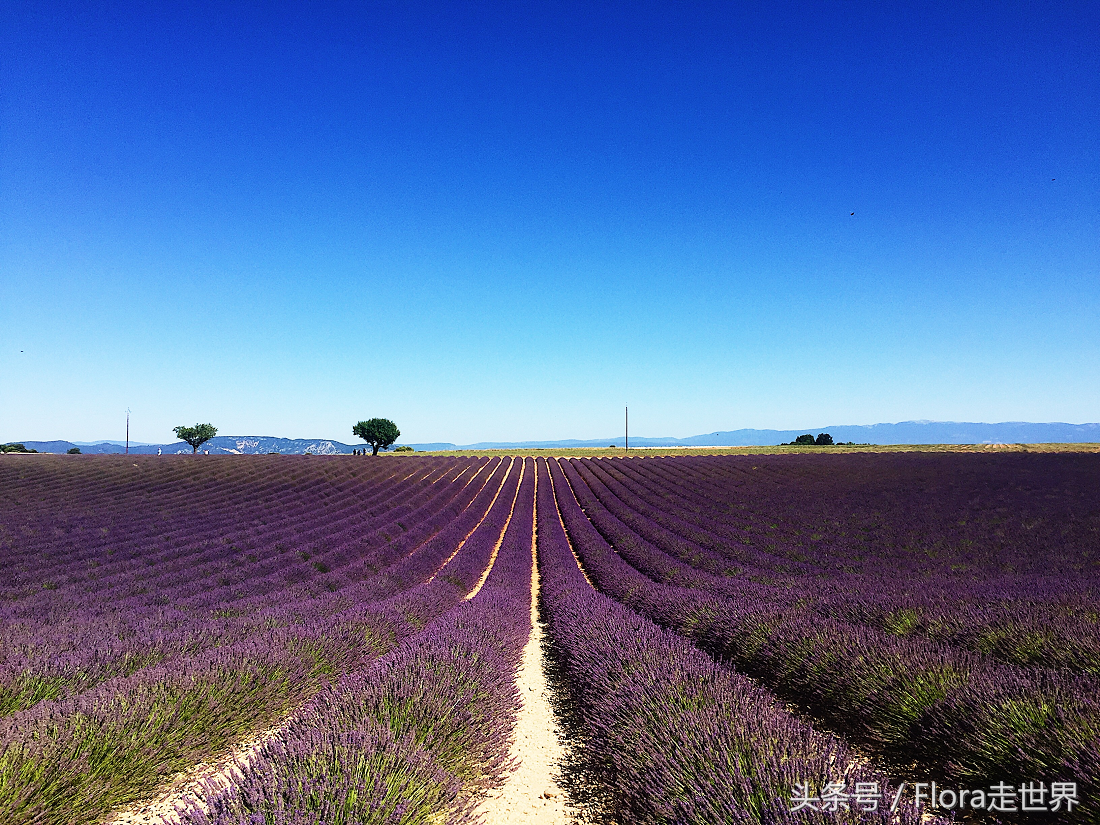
<point x="824" y="440"/>
<point x="804" y="439"/>
<point x="380" y="433"/>
<point x="196" y="436"/>
<point x="15" y="447"/>
<point x="73" y="451"/>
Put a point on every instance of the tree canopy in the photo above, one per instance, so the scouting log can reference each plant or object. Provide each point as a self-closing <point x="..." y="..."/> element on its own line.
<point x="807" y="440"/>
<point x="380" y="433"/>
<point x="15" y="447"/>
<point x="196" y="436"/>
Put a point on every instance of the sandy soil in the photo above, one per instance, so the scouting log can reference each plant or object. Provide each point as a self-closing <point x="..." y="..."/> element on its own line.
<point x="500" y="539"/>
<point x="187" y="786"/>
<point x="503" y="481"/>
<point x="532" y="794"/>
<point x="562" y="522"/>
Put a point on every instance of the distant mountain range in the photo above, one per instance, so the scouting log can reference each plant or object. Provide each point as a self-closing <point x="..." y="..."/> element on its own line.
<point x="905" y="432"/>
<point x="221" y="445"/>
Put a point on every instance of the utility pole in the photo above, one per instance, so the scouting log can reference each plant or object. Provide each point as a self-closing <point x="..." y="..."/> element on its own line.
<point x="127" y="431"/>
<point x="628" y="429"/>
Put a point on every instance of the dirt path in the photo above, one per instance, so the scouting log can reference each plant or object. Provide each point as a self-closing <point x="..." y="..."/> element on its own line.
<point x="562" y="522"/>
<point x="188" y="786"/>
<point x="531" y="794"/>
<point x="503" y="481"/>
<point x="500" y="540"/>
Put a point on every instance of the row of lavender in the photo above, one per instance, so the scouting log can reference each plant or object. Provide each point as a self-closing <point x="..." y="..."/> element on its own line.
<point x="1016" y="509"/>
<point x="956" y="714"/>
<point x="421" y="732"/>
<point x="112" y="743"/>
<point x="1031" y="606"/>
<point x="221" y="544"/>
<point x="667" y="735"/>
<point x="171" y="603"/>
<point x="89" y="530"/>
<point x="920" y="511"/>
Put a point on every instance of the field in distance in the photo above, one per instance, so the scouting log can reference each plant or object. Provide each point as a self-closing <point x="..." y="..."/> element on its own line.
<point x="642" y="452"/>
<point x="731" y="635"/>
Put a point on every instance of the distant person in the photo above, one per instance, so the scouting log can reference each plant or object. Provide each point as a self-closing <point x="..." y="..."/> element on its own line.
<point x="158" y="450"/>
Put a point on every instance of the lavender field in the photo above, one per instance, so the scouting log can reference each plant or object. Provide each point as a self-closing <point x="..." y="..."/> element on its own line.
<point x="723" y="631"/>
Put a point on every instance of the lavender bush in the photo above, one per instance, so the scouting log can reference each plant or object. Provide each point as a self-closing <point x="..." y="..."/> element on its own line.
<point x="422" y="731"/>
<point x="669" y="735"/>
<point x="956" y="713"/>
<point x="190" y="680"/>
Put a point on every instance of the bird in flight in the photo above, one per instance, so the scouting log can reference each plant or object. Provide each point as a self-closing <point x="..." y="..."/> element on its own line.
<point x="853" y="213"/>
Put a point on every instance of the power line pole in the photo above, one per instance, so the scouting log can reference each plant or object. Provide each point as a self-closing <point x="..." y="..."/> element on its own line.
<point x="628" y="429"/>
<point x="127" y="431"/>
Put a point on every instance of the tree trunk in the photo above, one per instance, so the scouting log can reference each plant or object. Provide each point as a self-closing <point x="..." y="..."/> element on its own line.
<point x="375" y="449"/>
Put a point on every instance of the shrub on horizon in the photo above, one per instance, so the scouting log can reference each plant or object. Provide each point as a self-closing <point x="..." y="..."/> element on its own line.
<point x="15" y="447"/>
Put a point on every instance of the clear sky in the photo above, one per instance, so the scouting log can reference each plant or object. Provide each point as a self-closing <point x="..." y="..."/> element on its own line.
<point x="502" y="221"/>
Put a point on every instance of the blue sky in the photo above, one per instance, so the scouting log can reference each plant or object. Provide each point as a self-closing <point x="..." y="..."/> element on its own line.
<point x="505" y="221"/>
